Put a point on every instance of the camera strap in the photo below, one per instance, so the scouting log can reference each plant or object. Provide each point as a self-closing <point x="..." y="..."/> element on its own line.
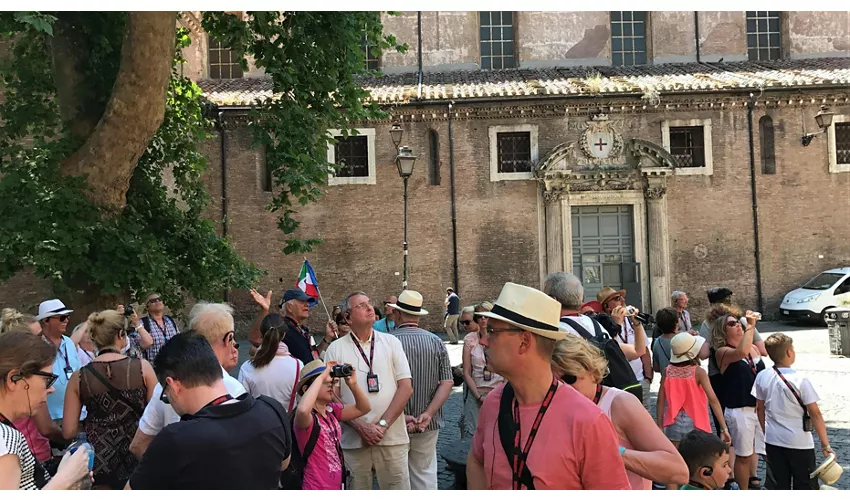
<point x="371" y="357"/>
<point x="793" y="391"/>
<point x="297" y="373"/>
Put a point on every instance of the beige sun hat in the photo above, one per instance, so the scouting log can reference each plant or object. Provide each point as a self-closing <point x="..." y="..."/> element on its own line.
<point x="685" y="347"/>
<point x="529" y="309"/>
<point x="829" y="471"/>
<point x="409" y="302"/>
<point x="308" y="373"/>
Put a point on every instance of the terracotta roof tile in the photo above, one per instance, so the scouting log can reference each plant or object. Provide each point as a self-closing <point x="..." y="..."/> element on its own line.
<point x="663" y="78"/>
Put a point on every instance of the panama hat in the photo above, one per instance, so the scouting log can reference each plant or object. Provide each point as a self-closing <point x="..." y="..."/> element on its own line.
<point x="685" y="347"/>
<point x="409" y="302"/>
<point x="309" y="372"/>
<point x="50" y="308"/>
<point x="829" y="471"/>
<point x="529" y="309"/>
<point x="608" y="293"/>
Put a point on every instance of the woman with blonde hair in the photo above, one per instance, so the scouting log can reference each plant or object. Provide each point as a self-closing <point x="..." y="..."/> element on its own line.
<point x="739" y="361"/>
<point x="114" y="388"/>
<point x="478" y="378"/>
<point x="647" y="454"/>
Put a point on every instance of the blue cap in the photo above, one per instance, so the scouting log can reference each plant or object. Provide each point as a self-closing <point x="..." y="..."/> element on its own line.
<point x="295" y="294"/>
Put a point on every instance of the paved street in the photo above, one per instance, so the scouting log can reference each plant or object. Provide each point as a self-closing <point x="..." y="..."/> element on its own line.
<point x="829" y="374"/>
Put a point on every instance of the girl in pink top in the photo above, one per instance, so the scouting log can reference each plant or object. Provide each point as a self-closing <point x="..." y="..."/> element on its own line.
<point x="647" y="455"/>
<point x="324" y="467"/>
<point x="681" y="405"/>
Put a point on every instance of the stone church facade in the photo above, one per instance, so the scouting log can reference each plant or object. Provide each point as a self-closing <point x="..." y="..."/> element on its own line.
<point x="616" y="145"/>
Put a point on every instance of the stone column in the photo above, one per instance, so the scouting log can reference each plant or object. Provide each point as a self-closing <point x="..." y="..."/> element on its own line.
<point x="554" y="230"/>
<point x="659" y="248"/>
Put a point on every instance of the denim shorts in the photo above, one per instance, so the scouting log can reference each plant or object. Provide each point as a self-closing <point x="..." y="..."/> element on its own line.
<point x="682" y="425"/>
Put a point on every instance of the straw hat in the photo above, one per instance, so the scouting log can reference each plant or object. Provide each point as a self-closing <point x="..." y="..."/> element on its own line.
<point x="685" y="347"/>
<point x="829" y="471"/>
<point x="409" y="302"/>
<point x="529" y="309"/>
<point x="609" y="293"/>
<point x="310" y="371"/>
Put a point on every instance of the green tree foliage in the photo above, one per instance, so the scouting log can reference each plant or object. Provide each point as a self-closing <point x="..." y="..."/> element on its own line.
<point x="161" y="240"/>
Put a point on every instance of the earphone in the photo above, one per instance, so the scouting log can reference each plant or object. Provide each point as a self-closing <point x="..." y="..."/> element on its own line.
<point x="708" y="471"/>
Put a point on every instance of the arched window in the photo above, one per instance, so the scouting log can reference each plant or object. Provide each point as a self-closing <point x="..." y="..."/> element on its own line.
<point x="768" y="151"/>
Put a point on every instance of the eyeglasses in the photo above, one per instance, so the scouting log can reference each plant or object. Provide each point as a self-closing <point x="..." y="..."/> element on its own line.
<point x="230" y="338"/>
<point x="62" y="318"/>
<point x="155" y="299"/>
<point x="466" y="322"/>
<point x="617" y="299"/>
<point x="50" y="377"/>
<point x="363" y="305"/>
<point x="164" y="397"/>
<point x="732" y="323"/>
<point x="491" y="331"/>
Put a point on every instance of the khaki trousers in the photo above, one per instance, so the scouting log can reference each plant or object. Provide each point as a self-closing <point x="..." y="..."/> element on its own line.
<point x="389" y="462"/>
<point x="422" y="460"/>
<point x="451" y="327"/>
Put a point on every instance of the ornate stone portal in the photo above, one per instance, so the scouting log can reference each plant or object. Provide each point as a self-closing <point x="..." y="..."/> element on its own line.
<point x="603" y="169"/>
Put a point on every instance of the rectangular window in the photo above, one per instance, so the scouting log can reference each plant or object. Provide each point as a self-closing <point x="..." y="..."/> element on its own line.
<point x="842" y="143"/>
<point x="352" y="154"/>
<point x="763" y="35"/>
<point x="224" y="63"/>
<point x="434" y="147"/>
<point x="514" y="152"/>
<point x="628" y="38"/>
<point x="687" y="145"/>
<point x="496" y="38"/>
<point x="373" y="61"/>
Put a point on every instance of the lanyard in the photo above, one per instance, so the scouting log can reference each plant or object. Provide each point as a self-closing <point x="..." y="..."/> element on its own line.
<point x="598" y="395"/>
<point x="107" y="351"/>
<point x="625" y="328"/>
<point x="6" y="421"/>
<point x="217" y="401"/>
<point x="751" y="363"/>
<point x="363" y="354"/>
<point x="520" y="456"/>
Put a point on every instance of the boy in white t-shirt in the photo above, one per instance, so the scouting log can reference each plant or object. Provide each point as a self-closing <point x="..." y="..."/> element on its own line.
<point x="787" y="409"/>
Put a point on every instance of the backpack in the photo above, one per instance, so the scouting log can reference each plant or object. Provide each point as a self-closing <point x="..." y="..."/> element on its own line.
<point x="620" y="373"/>
<point x="292" y="478"/>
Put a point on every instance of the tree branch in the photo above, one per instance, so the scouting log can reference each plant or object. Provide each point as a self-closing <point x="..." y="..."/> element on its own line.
<point x="134" y="112"/>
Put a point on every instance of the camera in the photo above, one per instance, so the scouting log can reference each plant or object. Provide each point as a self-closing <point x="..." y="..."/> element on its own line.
<point x="128" y="310"/>
<point x="341" y="371"/>
<point x="631" y="310"/>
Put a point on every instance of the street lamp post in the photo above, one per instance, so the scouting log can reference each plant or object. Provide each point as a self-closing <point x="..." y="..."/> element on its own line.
<point x="404" y="161"/>
<point x="824" y="120"/>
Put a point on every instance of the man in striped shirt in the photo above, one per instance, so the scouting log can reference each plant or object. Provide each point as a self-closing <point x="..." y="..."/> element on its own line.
<point x="432" y="384"/>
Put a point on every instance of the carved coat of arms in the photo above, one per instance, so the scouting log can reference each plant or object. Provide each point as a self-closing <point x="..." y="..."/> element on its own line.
<point x="600" y="143"/>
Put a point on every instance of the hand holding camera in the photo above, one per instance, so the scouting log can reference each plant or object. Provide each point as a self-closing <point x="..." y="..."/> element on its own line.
<point x="342" y="371"/>
<point x="752" y="318"/>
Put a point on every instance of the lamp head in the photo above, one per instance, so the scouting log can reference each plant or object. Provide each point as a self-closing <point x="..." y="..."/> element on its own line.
<point x="824" y="117"/>
<point x="405" y="161"/>
<point x="396" y="132"/>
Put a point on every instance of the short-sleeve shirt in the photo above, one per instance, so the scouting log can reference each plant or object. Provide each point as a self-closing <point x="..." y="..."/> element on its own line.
<point x="430" y="365"/>
<point x="159" y="334"/>
<point x="276" y="380"/>
<point x="239" y="444"/>
<point x="158" y="415"/>
<point x="661" y="351"/>
<point x="479" y="362"/>
<point x="66" y="358"/>
<point x="13" y="442"/>
<point x="576" y="447"/>
<point x="323" y="470"/>
<point x="390" y="365"/>
<point x="783" y="415"/>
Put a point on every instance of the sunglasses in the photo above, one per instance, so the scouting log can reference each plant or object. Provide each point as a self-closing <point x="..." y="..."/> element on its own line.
<point x="50" y="377"/>
<point x="164" y="397"/>
<point x="155" y="299"/>
<point x="466" y="322"/>
<point x="229" y="338"/>
<point x="732" y="323"/>
<point x="62" y="318"/>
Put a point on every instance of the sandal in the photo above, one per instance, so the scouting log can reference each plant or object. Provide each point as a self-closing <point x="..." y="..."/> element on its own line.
<point x="755" y="483"/>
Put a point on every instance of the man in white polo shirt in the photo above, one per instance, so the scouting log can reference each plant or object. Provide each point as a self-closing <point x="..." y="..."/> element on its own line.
<point x="215" y="323"/>
<point x="378" y="439"/>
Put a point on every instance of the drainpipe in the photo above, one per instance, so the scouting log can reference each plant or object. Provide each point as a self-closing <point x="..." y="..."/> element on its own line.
<point x="452" y="189"/>
<point x="223" y="144"/>
<point x="696" y="33"/>
<point x="419" y="52"/>
<point x="751" y="104"/>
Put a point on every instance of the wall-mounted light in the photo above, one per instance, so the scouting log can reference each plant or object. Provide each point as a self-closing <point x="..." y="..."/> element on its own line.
<point x="824" y="120"/>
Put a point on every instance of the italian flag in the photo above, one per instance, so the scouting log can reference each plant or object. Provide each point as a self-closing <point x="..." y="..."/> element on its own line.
<point x="307" y="281"/>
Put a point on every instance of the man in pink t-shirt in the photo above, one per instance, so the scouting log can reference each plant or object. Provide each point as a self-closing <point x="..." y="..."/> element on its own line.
<point x="567" y="442"/>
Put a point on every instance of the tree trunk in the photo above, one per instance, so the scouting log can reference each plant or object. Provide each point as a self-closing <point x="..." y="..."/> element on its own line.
<point x="134" y="112"/>
<point x="68" y="47"/>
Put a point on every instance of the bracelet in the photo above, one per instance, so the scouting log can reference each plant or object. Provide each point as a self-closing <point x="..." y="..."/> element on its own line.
<point x="724" y="430"/>
<point x="622" y="450"/>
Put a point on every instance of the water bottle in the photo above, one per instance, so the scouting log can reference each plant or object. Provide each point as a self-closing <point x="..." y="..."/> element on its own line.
<point x="81" y="442"/>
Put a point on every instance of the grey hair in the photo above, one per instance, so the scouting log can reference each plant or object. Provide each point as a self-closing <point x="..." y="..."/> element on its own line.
<point x="345" y="305"/>
<point x="678" y="294"/>
<point x="468" y="310"/>
<point x="212" y="320"/>
<point x="566" y="288"/>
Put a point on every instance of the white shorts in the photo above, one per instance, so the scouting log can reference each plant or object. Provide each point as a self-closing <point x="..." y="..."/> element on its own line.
<point x="747" y="436"/>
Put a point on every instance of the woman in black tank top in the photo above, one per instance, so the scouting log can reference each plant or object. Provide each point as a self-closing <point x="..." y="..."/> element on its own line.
<point x="739" y="362"/>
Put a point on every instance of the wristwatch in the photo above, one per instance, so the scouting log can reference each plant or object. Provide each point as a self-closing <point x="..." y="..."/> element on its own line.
<point x="383" y="423"/>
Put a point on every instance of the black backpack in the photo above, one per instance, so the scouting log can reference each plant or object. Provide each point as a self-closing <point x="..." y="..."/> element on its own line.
<point x="293" y="476"/>
<point x="620" y="373"/>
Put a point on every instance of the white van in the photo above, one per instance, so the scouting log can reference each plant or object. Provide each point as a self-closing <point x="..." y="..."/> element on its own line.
<point x="827" y="290"/>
